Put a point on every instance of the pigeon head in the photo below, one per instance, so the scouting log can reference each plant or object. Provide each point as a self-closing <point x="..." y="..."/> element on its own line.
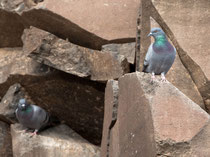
<point x="158" y="34"/>
<point x="22" y="105"/>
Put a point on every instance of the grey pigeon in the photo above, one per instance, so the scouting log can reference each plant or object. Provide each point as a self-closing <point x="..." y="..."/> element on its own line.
<point x="160" y="55"/>
<point x="31" y="116"/>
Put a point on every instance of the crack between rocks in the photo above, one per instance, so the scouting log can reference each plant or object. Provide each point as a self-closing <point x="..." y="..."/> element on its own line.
<point x="114" y="113"/>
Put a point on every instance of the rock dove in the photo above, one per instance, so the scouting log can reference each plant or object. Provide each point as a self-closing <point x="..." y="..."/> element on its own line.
<point x="160" y="55"/>
<point x="31" y="116"/>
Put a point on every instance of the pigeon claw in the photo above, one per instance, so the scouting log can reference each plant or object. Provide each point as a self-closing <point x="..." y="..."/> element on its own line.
<point x="163" y="78"/>
<point x="34" y="133"/>
<point x="153" y="79"/>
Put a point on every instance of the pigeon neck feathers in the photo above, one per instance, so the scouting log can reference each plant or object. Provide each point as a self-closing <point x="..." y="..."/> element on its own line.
<point x="161" y="44"/>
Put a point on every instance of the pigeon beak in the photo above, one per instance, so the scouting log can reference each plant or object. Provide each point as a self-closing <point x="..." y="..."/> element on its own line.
<point x="150" y="34"/>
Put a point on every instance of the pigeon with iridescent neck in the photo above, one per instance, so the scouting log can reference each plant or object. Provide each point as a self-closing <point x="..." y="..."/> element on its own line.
<point x="160" y="55"/>
<point x="31" y="116"/>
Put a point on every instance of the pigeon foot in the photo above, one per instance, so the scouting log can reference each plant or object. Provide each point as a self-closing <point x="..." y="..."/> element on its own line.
<point x="153" y="78"/>
<point x="34" y="133"/>
<point x="163" y="78"/>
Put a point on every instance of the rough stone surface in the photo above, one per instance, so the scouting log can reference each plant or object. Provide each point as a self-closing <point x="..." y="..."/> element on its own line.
<point x="76" y="101"/>
<point x="184" y="25"/>
<point x="11" y="27"/>
<point x="63" y="55"/>
<point x="9" y="103"/>
<point x="127" y="50"/>
<point x="15" y="61"/>
<point x="144" y="29"/>
<point x="132" y="135"/>
<point x="111" y="19"/>
<point x="170" y="123"/>
<point x="190" y="54"/>
<point x="180" y="78"/>
<point x="110" y="114"/>
<point x="5" y="140"/>
<point x="53" y="142"/>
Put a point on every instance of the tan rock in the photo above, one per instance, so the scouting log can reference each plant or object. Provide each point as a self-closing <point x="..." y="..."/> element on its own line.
<point x="5" y="140"/>
<point x="164" y="120"/>
<point x="110" y="114"/>
<point x="76" y="101"/>
<point x="179" y="76"/>
<point x="127" y="50"/>
<point x="190" y="26"/>
<point x="11" y="27"/>
<point x="53" y="142"/>
<point x="63" y="55"/>
<point x="15" y="61"/>
<point x="192" y="45"/>
<point x="110" y="19"/>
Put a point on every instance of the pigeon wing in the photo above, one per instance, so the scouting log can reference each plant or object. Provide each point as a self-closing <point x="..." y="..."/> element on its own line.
<point x="148" y="58"/>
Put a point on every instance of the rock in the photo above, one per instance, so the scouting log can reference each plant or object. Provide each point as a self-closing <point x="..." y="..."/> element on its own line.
<point x="53" y="142"/>
<point x="63" y="55"/>
<point x="179" y="33"/>
<point x="127" y="50"/>
<point x="110" y="114"/>
<point x="11" y="27"/>
<point x="111" y="20"/>
<point x="143" y="29"/>
<point x="9" y="103"/>
<point x="184" y="23"/>
<point x="72" y="23"/>
<point x="164" y="121"/>
<point x="76" y="101"/>
<point x="15" y="61"/>
<point x="5" y="140"/>
<point x="179" y="76"/>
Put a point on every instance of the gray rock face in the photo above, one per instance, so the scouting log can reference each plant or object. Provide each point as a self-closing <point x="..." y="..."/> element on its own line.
<point x="5" y="140"/>
<point x="52" y="51"/>
<point x="127" y="50"/>
<point x="53" y="142"/>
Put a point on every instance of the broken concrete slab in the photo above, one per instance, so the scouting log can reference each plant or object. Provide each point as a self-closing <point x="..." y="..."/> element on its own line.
<point x="76" y="101"/>
<point x="9" y="103"/>
<point x="5" y="140"/>
<point x="53" y="142"/>
<point x="110" y="114"/>
<point x="63" y="55"/>
<point x="126" y="49"/>
<point x="164" y="120"/>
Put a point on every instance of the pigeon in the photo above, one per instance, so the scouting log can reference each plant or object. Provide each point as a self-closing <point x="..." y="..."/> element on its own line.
<point x="32" y="116"/>
<point x="160" y="55"/>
